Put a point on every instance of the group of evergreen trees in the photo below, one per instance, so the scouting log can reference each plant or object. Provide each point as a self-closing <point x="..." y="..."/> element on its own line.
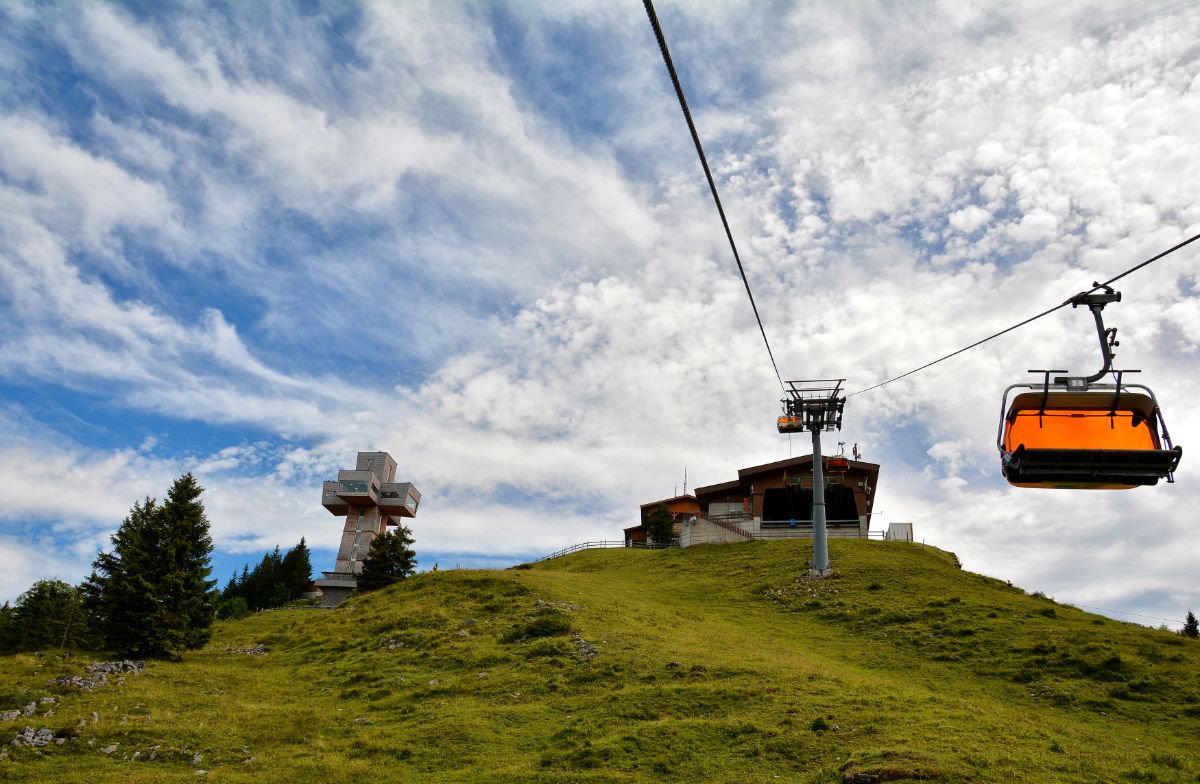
<point x="149" y="597"/>
<point x="49" y="615"/>
<point x="276" y="580"/>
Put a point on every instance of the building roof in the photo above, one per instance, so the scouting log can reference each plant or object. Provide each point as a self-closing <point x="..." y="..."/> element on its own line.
<point x="746" y="474"/>
<point x="718" y="487"/>
<point x="685" y="497"/>
<point x="796" y="461"/>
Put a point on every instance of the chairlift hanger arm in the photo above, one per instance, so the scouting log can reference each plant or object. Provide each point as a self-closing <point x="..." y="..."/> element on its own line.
<point x="1095" y="301"/>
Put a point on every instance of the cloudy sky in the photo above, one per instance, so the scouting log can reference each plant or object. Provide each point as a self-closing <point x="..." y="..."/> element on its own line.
<point x="249" y="241"/>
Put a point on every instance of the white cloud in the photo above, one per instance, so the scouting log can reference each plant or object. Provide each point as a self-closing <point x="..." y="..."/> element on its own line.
<point x="969" y="218"/>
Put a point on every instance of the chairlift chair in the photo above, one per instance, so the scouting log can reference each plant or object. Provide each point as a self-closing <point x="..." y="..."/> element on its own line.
<point x="839" y="463"/>
<point x="1074" y="433"/>
<point x="791" y="424"/>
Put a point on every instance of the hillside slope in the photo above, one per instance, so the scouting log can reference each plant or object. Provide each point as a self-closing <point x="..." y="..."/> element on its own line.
<point x="713" y="664"/>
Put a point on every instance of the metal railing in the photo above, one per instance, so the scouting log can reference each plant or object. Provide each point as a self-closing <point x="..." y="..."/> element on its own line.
<point x="806" y="533"/>
<point x="778" y="533"/>
<point x="604" y="544"/>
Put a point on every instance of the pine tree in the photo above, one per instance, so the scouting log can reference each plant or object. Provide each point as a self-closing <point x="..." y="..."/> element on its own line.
<point x="151" y="595"/>
<point x="389" y="560"/>
<point x="1191" y="627"/>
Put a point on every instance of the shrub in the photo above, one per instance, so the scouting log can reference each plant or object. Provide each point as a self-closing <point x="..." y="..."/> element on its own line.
<point x="233" y="609"/>
<point x="546" y="622"/>
<point x="548" y="649"/>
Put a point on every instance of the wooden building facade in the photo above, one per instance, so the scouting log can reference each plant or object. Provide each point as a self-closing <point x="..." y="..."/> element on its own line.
<point x="774" y="500"/>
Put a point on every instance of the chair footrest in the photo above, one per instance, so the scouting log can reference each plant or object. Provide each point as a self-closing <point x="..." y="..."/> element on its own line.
<point x="1107" y="466"/>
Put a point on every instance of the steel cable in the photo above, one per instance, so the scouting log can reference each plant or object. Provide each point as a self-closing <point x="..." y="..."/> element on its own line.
<point x="712" y="186"/>
<point x="1095" y="287"/>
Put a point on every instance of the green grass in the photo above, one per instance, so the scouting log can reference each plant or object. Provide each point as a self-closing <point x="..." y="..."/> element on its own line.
<point x="713" y="664"/>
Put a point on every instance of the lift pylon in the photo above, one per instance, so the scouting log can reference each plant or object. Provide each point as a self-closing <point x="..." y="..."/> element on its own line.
<point x="815" y="405"/>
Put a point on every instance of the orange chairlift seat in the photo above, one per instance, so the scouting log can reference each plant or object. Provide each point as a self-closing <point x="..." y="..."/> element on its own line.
<point x="791" y="424"/>
<point x="1071" y="432"/>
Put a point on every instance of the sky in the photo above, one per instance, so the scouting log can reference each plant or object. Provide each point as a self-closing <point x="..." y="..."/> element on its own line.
<point x="250" y="240"/>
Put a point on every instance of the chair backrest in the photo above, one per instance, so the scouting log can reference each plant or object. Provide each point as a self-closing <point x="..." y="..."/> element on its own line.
<point x="1081" y="420"/>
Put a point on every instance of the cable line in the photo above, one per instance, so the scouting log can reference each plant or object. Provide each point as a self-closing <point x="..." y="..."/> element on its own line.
<point x="1095" y="287"/>
<point x="1126" y="612"/>
<point x="712" y="186"/>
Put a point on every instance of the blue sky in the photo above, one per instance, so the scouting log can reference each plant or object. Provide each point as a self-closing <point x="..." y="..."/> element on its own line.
<point x="251" y="240"/>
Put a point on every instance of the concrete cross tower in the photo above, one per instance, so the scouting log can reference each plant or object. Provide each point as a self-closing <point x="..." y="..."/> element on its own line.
<point x="370" y="499"/>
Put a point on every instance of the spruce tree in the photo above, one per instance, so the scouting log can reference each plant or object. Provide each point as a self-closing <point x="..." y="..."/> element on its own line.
<point x="1191" y="627"/>
<point x="120" y="595"/>
<point x="151" y="595"/>
<point x="660" y="526"/>
<point x="231" y="588"/>
<point x="6" y="627"/>
<point x="390" y="559"/>
<point x="189" y="545"/>
<point x="297" y="570"/>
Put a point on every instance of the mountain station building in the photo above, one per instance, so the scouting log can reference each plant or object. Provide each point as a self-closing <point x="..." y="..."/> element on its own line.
<point x="771" y="501"/>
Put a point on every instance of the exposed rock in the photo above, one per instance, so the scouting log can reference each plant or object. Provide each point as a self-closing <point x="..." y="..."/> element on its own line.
<point x="31" y="737"/>
<point x="361" y="720"/>
<point x="470" y="622"/>
<point x="12" y="715"/>
<point x="48" y="700"/>
<point x="434" y="682"/>
<point x="254" y="650"/>
<point x="539" y="604"/>
<point x="584" y="650"/>
<point x="29" y="709"/>
<point x="481" y="674"/>
<point x="391" y="643"/>
<point x="860" y="778"/>
<point x="114" y="667"/>
<point x="109" y="749"/>
<point x="462" y="633"/>
<point x="196" y="759"/>
<point x="82" y="682"/>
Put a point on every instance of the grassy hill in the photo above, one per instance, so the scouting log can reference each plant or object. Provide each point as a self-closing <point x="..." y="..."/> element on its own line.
<point x="712" y="664"/>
